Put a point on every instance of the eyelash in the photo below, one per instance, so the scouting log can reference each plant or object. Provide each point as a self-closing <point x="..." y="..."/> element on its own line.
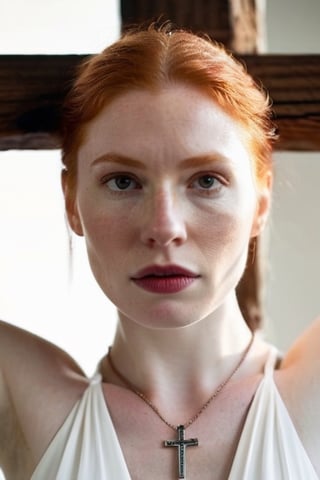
<point x="213" y="188"/>
<point x="116" y="176"/>
<point x="127" y="176"/>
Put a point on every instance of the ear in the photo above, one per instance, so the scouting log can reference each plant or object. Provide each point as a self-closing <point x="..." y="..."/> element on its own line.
<point x="71" y="204"/>
<point x="263" y="207"/>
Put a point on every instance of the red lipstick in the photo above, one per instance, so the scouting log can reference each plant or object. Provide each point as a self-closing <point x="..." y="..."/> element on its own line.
<point x="164" y="279"/>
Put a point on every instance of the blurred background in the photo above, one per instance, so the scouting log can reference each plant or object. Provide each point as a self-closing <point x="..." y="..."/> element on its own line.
<point x="39" y="288"/>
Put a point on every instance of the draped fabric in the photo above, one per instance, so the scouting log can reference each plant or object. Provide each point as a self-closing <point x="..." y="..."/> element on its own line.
<point x="269" y="447"/>
<point x="87" y="446"/>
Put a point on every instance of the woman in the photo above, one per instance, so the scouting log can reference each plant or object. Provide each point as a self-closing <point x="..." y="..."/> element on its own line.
<point x="167" y="176"/>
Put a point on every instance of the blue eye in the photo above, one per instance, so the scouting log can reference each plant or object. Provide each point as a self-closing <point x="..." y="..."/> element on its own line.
<point x="120" y="183"/>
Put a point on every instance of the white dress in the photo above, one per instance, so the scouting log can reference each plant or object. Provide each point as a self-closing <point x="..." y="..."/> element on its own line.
<point x="87" y="446"/>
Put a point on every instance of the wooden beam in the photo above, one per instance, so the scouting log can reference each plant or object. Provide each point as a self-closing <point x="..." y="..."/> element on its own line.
<point x="293" y="82"/>
<point x="235" y="23"/>
<point x="32" y="89"/>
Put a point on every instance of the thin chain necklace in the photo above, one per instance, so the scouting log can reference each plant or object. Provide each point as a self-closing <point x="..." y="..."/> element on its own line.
<point x="181" y="443"/>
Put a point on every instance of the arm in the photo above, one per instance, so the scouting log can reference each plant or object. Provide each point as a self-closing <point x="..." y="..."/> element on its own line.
<point x="11" y="439"/>
<point x="5" y="414"/>
<point x="300" y="388"/>
<point x="39" y="383"/>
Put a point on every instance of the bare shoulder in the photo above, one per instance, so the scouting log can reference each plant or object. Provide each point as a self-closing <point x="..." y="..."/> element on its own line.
<point x="39" y="384"/>
<point x="299" y="375"/>
<point x="26" y="358"/>
<point x="299" y="384"/>
<point x="304" y="355"/>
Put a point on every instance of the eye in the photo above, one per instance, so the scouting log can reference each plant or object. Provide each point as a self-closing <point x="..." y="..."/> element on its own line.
<point x="206" y="181"/>
<point x="120" y="183"/>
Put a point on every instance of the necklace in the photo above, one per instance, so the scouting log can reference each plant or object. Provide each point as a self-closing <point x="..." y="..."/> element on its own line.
<point x="181" y="443"/>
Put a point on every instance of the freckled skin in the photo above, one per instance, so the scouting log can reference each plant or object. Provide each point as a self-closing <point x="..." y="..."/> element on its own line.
<point x="166" y="218"/>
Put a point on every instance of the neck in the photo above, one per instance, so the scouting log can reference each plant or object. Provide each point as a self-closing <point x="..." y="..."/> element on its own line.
<point x="186" y="363"/>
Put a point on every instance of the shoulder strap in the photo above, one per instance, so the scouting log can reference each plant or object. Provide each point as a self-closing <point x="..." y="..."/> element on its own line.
<point x="272" y="361"/>
<point x="96" y="378"/>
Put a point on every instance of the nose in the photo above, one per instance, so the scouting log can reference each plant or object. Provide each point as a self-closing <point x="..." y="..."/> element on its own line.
<point x="164" y="222"/>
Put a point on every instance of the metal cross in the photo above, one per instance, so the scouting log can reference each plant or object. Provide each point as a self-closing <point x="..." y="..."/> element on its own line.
<point x="181" y="444"/>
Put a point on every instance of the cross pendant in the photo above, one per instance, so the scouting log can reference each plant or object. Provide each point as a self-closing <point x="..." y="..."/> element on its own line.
<point x="181" y="444"/>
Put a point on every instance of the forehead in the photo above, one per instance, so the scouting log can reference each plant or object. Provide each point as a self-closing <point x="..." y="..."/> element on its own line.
<point x="177" y="121"/>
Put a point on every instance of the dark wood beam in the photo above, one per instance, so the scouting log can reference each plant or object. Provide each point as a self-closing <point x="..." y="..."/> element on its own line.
<point x="293" y="82"/>
<point x="32" y="89"/>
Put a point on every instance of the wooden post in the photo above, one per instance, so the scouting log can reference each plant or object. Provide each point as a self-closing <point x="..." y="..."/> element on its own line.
<point x="235" y="23"/>
<point x="247" y="18"/>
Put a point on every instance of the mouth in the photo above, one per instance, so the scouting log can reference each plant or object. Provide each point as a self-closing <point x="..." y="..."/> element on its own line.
<point x="164" y="279"/>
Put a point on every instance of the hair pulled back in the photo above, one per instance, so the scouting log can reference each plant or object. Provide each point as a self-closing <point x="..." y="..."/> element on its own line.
<point x="153" y="58"/>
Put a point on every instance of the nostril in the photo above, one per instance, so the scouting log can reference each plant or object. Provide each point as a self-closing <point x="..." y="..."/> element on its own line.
<point x="164" y="223"/>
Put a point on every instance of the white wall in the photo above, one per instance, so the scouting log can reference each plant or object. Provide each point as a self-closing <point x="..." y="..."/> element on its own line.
<point x="293" y="26"/>
<point x="293" y="260"/>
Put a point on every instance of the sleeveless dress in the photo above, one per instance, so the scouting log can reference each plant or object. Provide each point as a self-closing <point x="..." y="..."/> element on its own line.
<point x="87" y="446"/>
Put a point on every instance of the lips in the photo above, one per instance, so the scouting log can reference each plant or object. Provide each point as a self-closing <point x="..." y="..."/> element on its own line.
<point x="164" y="279"/>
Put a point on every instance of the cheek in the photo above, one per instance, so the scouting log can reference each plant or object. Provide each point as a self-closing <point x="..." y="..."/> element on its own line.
<point x="224" y="232"/>
<point x="106" y="238"/>
<point x="104" y="227"/>
<point x="224" y="251"/>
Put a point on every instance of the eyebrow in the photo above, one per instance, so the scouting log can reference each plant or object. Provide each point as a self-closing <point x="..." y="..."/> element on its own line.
<point x="204" y="159"/>
<point x="119" y="159"/>
<point x="190" y="162"/>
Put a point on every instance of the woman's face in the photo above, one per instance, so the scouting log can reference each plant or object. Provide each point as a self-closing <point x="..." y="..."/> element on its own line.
<point x="167" y="203"/>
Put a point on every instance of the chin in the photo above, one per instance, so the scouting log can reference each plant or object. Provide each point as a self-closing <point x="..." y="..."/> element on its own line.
<point x="165" y="316"/>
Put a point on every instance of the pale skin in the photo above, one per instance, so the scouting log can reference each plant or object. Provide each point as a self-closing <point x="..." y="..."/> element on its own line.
<point x="163" y="178"/>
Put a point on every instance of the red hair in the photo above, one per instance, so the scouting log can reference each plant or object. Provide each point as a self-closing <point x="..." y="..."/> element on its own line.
<point x="155" y="57"/>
